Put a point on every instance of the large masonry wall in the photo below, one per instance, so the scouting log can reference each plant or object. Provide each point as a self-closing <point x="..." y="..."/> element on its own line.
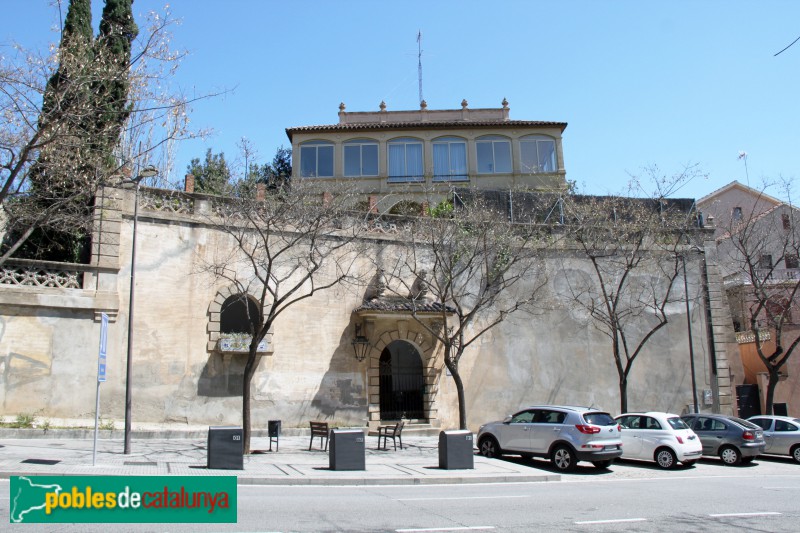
<point x="48" y="348"/>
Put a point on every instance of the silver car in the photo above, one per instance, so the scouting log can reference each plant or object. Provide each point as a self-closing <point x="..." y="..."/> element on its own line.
<point x="564" y="434"/>
<point x="782" y="434"/>
<point x="733" y="439"/>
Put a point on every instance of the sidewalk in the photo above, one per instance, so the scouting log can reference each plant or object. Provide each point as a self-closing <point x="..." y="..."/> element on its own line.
<point x="417" y="463"/>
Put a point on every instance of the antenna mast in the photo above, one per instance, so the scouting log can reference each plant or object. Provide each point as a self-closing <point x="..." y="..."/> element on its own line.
<point x="419" y="67"/>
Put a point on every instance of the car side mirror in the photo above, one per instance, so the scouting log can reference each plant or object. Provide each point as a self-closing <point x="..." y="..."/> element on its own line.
<point x="507" y="419"/>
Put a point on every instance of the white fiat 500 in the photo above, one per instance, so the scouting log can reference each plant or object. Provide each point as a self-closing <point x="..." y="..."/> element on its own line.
<point x="660" y="437"/>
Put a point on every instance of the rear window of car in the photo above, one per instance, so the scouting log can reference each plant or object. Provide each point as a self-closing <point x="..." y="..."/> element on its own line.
<point x="677" y="423"/>
<point x="747" y="424"/>
<point x="599" y="419"/>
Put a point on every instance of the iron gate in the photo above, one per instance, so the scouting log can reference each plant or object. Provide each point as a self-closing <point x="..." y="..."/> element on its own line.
<point x="402" y="386"/>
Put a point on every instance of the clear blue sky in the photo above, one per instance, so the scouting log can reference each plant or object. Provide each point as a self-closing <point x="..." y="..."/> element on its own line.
<point x="640" y="83"/>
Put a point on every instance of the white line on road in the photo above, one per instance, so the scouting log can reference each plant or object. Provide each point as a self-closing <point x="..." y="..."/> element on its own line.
<point x="464" y="498"/>
<point x="732" y="515"/>
<point x="617" y="521"/>
<point x="470" y="528"/>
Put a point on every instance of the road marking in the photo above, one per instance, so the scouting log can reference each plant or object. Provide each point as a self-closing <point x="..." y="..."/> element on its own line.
<point x="467" y="528"/>
<point x="616" y="521"/>
<point x="733" y="515"/>
<point x="464" y="498"/>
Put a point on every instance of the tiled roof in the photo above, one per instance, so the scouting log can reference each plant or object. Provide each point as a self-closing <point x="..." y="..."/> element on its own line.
<point x="396" y="305"/>
<point x="372" y="126"/>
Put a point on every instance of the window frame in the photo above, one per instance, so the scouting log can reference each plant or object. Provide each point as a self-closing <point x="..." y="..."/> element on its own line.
<point x="493" y="141"/>
<point x="316" y="145"/>
<point x="449" y="141"/>
<point x="361" y="143"/>
<point x="536" y="140"/>
<point x="405" y="142"/>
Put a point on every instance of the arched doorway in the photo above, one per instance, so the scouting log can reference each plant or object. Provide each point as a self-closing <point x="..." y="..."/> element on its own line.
<point x="402" y="383"/>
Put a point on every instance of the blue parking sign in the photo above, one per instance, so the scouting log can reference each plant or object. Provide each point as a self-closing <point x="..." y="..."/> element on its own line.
<point x="101" y="358"/>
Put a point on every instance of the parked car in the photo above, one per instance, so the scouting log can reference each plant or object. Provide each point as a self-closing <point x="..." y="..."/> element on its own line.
<point x="660" y="437"/>
<point x="733" y="439"/>
<point x="564" y="434"/>
<point x="781" y="433"/>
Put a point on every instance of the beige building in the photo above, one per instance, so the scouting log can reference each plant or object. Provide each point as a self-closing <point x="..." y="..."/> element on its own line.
<point x="732" y="209"/>
<point x="188" y="359"/>
<point x="393" y="154"/>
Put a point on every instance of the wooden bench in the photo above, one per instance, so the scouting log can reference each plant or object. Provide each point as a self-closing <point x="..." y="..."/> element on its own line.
<point x="319" y="429"/>
<point x="391" y="431"/>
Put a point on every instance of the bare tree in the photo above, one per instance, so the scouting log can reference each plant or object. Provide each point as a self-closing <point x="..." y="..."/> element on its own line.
<point x="762" y="248"/>
<point x="284" y="248"/>
<point x="48" y="142"/>
<point x="472" y="266"/>
<point x="635" y="248"/>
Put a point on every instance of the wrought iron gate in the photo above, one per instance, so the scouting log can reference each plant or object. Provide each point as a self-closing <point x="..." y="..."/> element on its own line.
<point x="402" y="385"/>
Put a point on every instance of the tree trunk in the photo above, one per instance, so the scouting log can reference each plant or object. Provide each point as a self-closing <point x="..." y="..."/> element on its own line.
<point x="771" y="385"/>
<point x="452" y="366"/>
<point x="247" y="378"/>
<point x="623" y="395"/>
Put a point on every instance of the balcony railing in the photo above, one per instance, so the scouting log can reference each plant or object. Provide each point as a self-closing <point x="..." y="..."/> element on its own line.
<point x="779" y="274"/>
<point x="44" y="274"/>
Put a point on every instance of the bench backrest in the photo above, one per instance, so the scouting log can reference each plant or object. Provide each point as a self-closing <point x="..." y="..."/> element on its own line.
<point x="319" y="428"/>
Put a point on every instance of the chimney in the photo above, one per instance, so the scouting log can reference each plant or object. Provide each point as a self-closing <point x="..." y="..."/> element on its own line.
<point x="373" y="204"/>
<point x="261" y="191"/>
<point x="188" y="183"/>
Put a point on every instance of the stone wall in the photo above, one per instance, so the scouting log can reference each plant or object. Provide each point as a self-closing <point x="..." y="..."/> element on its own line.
<point x="48" y="345"/>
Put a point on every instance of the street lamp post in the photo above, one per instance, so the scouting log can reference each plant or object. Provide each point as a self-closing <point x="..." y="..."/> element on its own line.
<point x="689" y="331"/>
<point x="147" y="172"/>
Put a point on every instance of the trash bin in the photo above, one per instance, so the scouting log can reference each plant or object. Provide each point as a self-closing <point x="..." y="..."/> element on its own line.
<point x="346" y="449"/>
<point x="225" y="447"/>
<point x="455" y="450"/>
<point x="274" y="430"/>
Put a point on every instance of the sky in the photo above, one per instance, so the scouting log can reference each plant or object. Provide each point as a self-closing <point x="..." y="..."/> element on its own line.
<point x="665" y="83"/>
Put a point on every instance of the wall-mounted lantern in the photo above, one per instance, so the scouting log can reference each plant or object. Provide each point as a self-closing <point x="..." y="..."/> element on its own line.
<point x="360" y="344"/>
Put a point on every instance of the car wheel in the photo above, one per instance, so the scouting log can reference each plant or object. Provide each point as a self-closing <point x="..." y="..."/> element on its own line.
<point x="730" y="455"/>
<point x="602" y="464"/>
<point x="665" y="458"/>
<point x="796" y="453"/>
<point x="563" y="458"/>
<point x="489" y="447"/>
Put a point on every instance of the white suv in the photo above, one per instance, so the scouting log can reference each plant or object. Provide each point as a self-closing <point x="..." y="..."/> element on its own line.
<point x="660" y="437"/>
<point x="565" y="434"/>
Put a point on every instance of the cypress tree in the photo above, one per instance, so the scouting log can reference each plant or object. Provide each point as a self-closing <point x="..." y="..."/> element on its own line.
<point x="64" y="166"/>
<point x="113" y="55"/>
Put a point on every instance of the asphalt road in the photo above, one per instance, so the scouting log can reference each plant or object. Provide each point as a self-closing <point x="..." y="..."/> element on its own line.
<point x="631" y="497"/>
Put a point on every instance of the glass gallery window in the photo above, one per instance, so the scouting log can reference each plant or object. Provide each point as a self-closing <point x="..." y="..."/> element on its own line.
<point x="449" y="159"/>
<point x="316" y="159"/>
<point x="494" y="154"/>
<point x="537" y="154"/>
<point x="360" y="158"/>
<point x="405" y="159"/>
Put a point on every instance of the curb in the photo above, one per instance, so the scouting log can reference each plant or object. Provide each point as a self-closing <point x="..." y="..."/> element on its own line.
<point x="258" y="481"/>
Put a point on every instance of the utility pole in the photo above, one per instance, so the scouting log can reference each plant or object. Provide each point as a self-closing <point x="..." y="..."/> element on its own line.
<point x="419" y="64"/>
